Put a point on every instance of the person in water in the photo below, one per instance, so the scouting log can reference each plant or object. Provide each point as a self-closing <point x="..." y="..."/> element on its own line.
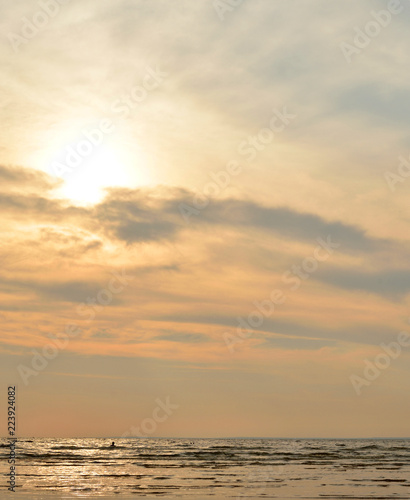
<point x="112" y="444"/>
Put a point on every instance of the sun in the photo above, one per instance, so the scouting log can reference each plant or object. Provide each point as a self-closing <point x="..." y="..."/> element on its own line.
<point x="90" y="162"/>
<point x="104" y="168"/>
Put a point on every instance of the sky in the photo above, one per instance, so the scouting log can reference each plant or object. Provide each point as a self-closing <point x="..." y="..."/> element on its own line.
<point x="204" y="217"/>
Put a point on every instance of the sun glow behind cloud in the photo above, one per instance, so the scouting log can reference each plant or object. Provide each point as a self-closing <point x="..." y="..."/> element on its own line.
<point x="104" y="169"/>
<point x="87" y="169"/>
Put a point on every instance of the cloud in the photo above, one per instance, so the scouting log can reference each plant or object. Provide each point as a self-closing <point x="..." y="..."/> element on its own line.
<point x="393" y="284"/>
<point x="296" y="343"/>
<point x="289" y="223"/>
<point x="26" y="179"/>
<point x="288" y="332"/>
<point x="37" y="208"/>
<point x="386" y="105"/>
<point x="194" y="338"/>
<point x="71" y="291"/>
<point x="103" y="334"/>
<point x="152" y="216"/>
<point x="141" y="215"/>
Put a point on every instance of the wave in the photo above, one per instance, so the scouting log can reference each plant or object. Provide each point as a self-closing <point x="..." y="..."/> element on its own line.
<point x="156" y="454"/>
<point x="96" y="448"/>
<point x="71" y="448"/>
<point x="111" y="448"/>
<point x="55" y="456"/>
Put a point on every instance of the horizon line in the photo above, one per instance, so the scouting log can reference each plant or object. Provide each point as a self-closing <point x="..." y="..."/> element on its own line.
<point x="191" y="437"/>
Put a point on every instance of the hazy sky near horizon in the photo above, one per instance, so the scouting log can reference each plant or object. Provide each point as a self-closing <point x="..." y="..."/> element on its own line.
<point x="133" y="241"/>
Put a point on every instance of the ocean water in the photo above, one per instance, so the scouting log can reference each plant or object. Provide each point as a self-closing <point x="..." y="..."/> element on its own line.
<point x="209" y="468"/>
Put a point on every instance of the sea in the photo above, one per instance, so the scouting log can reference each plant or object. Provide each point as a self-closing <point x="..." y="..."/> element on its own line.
<point x="208" y="468"/>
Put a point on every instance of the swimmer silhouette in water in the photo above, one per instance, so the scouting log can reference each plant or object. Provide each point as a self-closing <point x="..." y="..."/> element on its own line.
<point x="112" y="444"/>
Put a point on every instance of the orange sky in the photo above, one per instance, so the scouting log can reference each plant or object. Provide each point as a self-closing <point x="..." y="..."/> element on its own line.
<point x="207" y="207"/>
